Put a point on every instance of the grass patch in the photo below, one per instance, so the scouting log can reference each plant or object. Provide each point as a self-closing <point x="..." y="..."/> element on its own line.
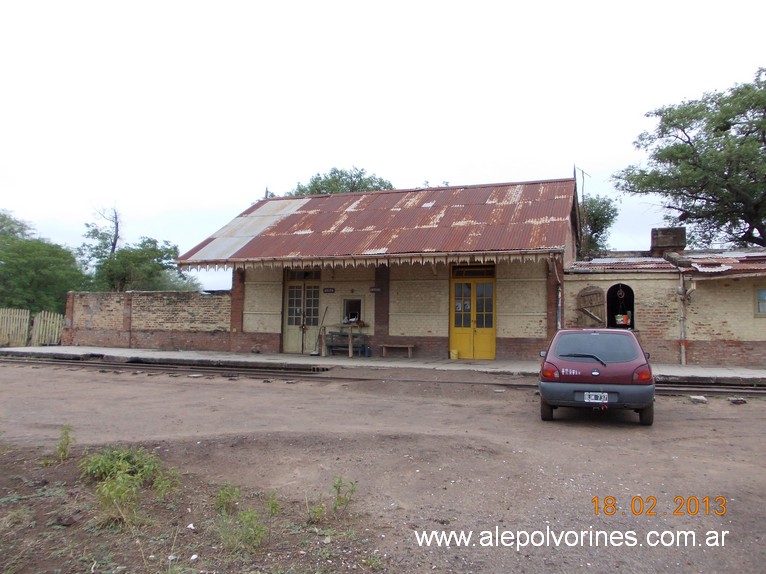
<point x="114" y="461"/>
<point x="227" y="499"/>
<point x="122" y="474"/>
<point x="98" y="513"/>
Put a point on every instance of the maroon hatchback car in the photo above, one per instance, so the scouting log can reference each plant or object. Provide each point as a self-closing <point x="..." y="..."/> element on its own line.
<point x="596" y="369"/>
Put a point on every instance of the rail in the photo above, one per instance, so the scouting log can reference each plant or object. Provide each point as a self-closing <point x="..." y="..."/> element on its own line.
<point x="312" y="372"/>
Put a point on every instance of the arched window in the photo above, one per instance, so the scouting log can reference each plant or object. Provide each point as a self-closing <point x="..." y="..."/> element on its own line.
<point x="619" y="307"/>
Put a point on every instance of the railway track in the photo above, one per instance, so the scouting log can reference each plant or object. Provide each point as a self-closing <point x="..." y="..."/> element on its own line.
<point x="152" y="367"/>
<point x="313" y="372"/>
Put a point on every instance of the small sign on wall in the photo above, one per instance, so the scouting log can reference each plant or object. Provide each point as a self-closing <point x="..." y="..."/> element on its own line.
<point x="328" y="290"/>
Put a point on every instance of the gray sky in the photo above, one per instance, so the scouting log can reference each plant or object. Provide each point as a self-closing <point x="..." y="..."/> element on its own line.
<point x="181" y="113"/>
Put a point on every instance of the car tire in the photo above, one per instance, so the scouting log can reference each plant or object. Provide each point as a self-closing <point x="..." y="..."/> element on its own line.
<point x="646" y="415"/>
<point x="546" y="411"/>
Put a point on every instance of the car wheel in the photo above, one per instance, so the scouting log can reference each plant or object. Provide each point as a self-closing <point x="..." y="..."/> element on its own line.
<point x="546" y="411"/>
<point x="646" y="416"/>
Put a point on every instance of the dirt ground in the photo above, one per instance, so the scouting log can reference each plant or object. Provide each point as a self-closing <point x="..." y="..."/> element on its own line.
<point x="426" y="455"/>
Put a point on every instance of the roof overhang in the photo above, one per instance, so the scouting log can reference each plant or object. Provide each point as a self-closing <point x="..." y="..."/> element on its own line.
<point x="462" y="258"/>
<point x="696" y="276"/>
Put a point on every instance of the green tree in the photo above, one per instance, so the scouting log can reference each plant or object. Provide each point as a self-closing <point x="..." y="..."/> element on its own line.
<point x="342" y="181"/>
<point x="10" y="226"/>
<point x="707" y="161"/>
<point x="145" y="266"/>
<point x="598" y="214"/>
<point x="34" y="273"/>
<point x="102" y="239"/>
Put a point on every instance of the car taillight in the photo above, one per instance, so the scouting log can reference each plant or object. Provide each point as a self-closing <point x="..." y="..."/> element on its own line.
<point x="642" y="374"/>
<point x="549" y="372"/>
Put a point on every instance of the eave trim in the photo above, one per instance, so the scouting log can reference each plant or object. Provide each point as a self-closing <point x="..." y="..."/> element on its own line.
<point x="367" y="261"/>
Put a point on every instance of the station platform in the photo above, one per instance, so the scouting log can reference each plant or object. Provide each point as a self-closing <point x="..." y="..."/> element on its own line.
<point x="663" y="372"/>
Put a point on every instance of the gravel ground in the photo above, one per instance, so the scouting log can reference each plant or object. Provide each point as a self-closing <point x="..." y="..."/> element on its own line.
<point x="431" y="454"/>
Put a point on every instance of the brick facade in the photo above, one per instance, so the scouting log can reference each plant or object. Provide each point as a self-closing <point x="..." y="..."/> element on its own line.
<point x="655" y="315"/>
<point x="721" y="326"/>
<point x="410" y="303"/>
<point x="405" y="303"/>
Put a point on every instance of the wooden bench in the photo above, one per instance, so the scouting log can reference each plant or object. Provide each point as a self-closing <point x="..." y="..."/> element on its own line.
<point x="409" y="346"/>
<point x="339" y="342"/>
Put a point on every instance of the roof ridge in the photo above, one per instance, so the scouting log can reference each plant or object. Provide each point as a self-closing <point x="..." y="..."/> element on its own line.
<point x="430" y="188"/>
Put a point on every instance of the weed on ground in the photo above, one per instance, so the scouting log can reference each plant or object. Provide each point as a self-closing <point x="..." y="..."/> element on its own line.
<point x="120" y="509"/>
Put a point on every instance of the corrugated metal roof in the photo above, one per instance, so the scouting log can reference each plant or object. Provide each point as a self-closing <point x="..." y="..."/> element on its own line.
<point x="531" y="217"/>
<point x="697" y="264"/>
<point x="727" y="263"/>
<point x="622" y="265"/>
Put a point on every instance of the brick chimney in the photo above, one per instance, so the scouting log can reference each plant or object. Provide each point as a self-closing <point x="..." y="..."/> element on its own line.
<point x="667" y="239"/>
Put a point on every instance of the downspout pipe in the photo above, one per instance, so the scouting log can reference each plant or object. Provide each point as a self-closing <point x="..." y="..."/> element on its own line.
<point x="683" y="298"/>
<point x="559" y="294"/>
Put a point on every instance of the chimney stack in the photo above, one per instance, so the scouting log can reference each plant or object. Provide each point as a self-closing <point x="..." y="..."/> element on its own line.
<point x="667" y="239"/>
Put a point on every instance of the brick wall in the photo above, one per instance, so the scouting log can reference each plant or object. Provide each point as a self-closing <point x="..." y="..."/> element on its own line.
<point x="521" y="348"/>
<point x="348" y="283"/>
<point x="724" y="309"/>
<point x="522" y="301"/>
<point x="419" y="302"/>
<point x="174" y="311"/>
<point x="656" y="308"/>
<point x="721" y="326"/>
<point x="412" y="303"/>
<point x="100" y="319"/>
<point x="158" y="320"/>
<point x="403" y="303"/>
<point x="262" y="301"/>
<point x="382" y="300"/>
<point x="418" y="309"/>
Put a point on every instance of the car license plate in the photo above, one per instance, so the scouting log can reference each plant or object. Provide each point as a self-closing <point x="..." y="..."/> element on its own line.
<point x="596" y="397"/>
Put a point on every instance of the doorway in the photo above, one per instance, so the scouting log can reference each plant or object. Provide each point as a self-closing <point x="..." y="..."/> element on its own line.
<point x="619" y="307"/>
<point x="472" y="316"/>
<point x="301" y="312"/>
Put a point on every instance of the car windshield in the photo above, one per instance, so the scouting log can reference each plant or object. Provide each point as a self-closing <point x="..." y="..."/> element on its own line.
<point x="601" y="347"/>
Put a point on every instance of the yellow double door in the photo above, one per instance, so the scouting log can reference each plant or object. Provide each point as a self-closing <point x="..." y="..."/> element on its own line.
<point x="472" y="321"/>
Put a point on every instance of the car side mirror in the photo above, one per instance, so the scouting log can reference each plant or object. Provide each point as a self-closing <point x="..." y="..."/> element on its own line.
<point x="646" y="355"/>
<point x="543" y="354"/>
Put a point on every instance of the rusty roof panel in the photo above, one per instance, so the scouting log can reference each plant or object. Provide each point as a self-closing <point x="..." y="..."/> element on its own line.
<point x="725" y="264"/>
<point x="705" y="264"/>
<point x="499" y="217"/>
<point x="622" y="264"/>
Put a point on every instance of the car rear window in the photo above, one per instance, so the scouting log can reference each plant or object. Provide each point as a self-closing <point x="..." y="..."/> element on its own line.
<point x="609" y="347"/>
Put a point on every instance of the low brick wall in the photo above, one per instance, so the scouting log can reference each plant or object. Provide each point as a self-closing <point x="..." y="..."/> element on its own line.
<point x="750" y="354"/>
<point x="152" y="319"/>
<point x="521" y="349"/>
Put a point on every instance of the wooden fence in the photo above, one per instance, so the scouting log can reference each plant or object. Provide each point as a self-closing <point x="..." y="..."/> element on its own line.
<point x="16" y="329"/>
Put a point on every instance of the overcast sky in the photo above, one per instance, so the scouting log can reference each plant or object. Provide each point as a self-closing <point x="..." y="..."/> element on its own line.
<point x="181" y="113"/>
